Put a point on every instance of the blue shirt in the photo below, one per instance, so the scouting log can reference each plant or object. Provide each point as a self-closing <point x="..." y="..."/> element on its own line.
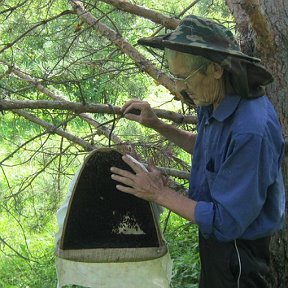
<point x="236" y="170"/>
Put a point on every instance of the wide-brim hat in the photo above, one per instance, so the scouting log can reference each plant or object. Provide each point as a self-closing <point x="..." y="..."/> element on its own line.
<point x="204" y="37"/>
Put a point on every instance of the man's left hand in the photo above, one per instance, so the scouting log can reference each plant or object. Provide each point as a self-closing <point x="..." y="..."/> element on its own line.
<point x="148" y="184"/>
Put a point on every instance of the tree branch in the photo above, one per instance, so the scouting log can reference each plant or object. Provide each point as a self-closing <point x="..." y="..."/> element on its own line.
<point x="156" y="17"/>
<point x="188" y="8"/>
<point x="15" y="251"/>
<point x="90" y="108"/>
<point x="13" y="8"/>
<point x="52" y="129"/>
<point x="60" y="97"/>
<point x="77" y="107"/>
<point x="144" y="64"/>
<point x="174" y="173"/>
<point x="86" y="145"/>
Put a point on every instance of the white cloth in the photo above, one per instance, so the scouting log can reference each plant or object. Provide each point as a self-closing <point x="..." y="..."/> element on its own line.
<point x="62" y="211"/>
<point x="145" y="274"/>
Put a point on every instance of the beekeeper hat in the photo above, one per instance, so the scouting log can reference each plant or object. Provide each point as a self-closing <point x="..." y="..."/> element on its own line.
<point x="204" y="37"/>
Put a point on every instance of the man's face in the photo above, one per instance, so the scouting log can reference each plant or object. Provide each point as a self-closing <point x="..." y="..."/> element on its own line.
<point x="194" y="86"/>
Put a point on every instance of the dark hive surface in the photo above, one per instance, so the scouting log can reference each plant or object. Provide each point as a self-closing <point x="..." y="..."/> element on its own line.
<point x="98" y="210"/>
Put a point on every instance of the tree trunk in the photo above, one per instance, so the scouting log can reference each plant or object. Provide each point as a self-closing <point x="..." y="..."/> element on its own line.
<point x="263" y="26"/>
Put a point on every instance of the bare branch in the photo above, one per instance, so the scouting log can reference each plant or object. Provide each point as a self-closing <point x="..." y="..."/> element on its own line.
<point x="188" y="8"/>
<point x="90" y="108"/>
<point x="86" y="145"/>
<point x="21" y="146"/>
<point x="178" y="16"/>
<point x="156" y="17"/>
<point x="27" y="182"/>
<point x="174" y="173"/>
<point x="52" y="129"/>
<point x="64" y="104"/>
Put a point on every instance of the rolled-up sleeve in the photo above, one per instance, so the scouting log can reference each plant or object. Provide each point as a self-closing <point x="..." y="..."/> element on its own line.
<point x="239" y="189"/>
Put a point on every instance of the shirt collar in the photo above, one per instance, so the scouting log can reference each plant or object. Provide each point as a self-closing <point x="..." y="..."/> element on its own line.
<point x="226" y="108"/>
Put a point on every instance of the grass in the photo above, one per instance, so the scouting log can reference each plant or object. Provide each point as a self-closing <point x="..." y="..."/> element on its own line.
<point x="182" y="240"/>
<point x="18" y="272"/>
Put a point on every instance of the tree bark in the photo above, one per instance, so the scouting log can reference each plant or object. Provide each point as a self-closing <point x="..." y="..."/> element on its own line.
<point x="90" y="108"/>
<point x="156" y="17"/>
<point x="264" y="27"/>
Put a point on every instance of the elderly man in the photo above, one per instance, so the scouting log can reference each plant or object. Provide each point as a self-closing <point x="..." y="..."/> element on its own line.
<point x="236" y="194"/>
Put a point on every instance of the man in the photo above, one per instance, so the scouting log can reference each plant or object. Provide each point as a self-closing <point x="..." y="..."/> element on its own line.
<point x="236" y="194"/>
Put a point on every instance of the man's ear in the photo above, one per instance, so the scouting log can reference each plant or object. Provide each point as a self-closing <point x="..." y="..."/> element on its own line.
<point x="217" y="70"/>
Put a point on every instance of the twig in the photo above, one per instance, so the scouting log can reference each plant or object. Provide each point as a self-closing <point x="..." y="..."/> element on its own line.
<point x="15" y="251"/>
<point x="52" y="129"/>
<point x="43" y="22"/>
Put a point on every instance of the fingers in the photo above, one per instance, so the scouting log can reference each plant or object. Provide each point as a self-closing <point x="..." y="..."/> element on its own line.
<point x="152" y="167"/>
<point x="123" y="176"/>
<point x="131" y="117"/>
<point x="135" y="165"/>
<point x="144" y="184"/>
<point x="138" y="164"/>
<point x="132" y="110"/>
<point x="125" y="189"/>
<point x="122" y="172"/>
<point x="135" y="107"/>
<point x="141" y="112"/>
<point x="124" y="180"/>
<point x="133" y="104"/>
<point x="125" y="106"/>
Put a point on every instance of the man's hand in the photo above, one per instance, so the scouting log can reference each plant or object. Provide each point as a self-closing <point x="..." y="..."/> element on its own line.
<point x="146" y="184"/>
<point x="141" y="112"/>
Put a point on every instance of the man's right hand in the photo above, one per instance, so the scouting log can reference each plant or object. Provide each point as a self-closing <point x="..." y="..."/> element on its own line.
<point x="141" y="112"/>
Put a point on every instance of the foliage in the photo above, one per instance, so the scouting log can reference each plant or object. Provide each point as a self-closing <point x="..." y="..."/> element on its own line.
<point x="49" y="42"/>
<point x="182" y="240"/>
<point x="17" y="272"/>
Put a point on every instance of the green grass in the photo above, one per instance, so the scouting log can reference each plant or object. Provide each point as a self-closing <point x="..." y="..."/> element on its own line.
<point x="39" y="271"/>
<point x="182" y="240"/>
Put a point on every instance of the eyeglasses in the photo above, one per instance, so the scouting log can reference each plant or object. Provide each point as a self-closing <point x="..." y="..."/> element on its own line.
<point x="188" y="77"/>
